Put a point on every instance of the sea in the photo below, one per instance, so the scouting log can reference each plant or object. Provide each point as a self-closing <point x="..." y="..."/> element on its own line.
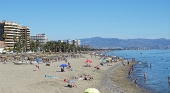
<point x="155" y="63"/>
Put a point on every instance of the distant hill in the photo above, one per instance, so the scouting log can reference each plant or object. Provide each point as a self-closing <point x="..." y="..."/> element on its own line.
<point x="98" y="42"/>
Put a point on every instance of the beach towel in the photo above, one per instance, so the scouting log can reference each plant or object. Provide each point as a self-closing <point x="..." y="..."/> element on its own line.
<point x="47" y="76"/>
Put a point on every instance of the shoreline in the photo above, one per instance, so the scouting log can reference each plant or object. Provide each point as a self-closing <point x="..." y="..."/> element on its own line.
<point x="107" y="83"/>
<point x="120" y="79"/>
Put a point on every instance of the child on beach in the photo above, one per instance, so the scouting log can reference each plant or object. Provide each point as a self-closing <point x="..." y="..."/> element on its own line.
<point x="37" y="67"/>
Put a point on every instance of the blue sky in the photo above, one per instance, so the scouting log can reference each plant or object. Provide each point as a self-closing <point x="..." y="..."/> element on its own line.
<point x="76" y="19"/>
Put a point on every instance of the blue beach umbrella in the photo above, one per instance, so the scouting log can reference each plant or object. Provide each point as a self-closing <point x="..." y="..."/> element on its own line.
<point x="63" y="65"/>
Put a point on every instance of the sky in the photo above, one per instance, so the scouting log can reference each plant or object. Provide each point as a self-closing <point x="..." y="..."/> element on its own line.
<point x="77" y="19"/>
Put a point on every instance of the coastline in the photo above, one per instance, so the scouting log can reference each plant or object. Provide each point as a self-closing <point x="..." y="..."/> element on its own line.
<point x="120" y="79"/>
<point x="107" y="83"/>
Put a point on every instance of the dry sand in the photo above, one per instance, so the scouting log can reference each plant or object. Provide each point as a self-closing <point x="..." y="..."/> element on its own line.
<point x="22" y="78"/>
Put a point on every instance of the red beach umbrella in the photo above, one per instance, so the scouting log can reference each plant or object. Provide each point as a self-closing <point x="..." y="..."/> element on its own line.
<point x="88" y="61"/>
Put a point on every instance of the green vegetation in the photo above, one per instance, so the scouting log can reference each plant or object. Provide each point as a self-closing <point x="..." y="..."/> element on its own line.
<point x="51" y="46"/>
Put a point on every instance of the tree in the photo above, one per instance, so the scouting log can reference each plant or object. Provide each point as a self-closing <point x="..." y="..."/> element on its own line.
<point x="4" y="36"/>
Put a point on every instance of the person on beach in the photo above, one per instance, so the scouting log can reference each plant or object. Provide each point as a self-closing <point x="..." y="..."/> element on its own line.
<point x="129" y="74"/>
<point x="37" y="67"/>
<point x="135" y="81"/>
<point x="128" y="63"/>
<point x="144" y="76"/>
<point x="131" y="68"/>
<point x="101" y="63"/>
<point x="62" y="69"/>
<point x="123" y="63"/>
<point x="69" y="65"/>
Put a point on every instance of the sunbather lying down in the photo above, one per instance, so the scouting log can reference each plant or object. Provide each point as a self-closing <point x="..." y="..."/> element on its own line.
<point x="85" y="77"/>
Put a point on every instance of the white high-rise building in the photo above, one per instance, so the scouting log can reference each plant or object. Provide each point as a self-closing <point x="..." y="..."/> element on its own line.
<point x="69" y="41"/>
<point x="40" y="37"/>
<point x="61" y="41"/>
<point x="77" y="43"/>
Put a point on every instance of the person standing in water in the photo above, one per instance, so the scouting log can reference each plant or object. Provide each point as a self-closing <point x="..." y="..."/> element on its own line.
<point x="144" y="76"/>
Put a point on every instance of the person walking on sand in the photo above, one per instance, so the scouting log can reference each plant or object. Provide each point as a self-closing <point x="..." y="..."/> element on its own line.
<point x="135" y="81"/>
<point x="144" y="76"/>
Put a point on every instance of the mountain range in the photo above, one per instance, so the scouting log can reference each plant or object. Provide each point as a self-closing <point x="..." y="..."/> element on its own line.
<point x="99" y="42"/>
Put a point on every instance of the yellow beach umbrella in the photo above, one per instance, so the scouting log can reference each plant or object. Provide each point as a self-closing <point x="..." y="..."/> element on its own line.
<point x="109" y="58"/>
<point x="91" y="90"/>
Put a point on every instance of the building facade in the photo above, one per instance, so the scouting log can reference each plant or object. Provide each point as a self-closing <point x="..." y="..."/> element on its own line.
<point x="77" y="43"/>
<point x="42" y="38"/>
<point x="69" y="41"/>
<point x="25" y="36"/>
<point x="2" y="44"/>
<point x="12" y="32"/>
<point x="61" y="41"/>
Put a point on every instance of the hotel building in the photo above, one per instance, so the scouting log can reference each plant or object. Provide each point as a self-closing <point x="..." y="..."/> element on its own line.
<point x="69" y="41"/>
<point x="40" y="37"/>
<point x="61" y="41"/>
<point x="11" y="32"/>
<point x="77" y="43"/>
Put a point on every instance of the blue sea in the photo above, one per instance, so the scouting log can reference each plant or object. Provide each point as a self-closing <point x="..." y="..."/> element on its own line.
<point x="157" y="74"/>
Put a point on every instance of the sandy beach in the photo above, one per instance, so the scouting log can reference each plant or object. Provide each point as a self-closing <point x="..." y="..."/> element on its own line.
<point x="23" y="78"/>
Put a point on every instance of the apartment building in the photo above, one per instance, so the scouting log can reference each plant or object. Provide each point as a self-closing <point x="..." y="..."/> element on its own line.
<point x="42" y="38"/>
<point x="69" y="41"/>
<point x="61" y="41"/>
<point x="25" y="36"/>
<point x="11" y="32"/>
<point x="77" y="43"/>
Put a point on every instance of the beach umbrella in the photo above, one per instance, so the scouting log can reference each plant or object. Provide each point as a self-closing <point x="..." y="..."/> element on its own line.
<point x="91" y="90"/>
<point x="88" y="61"/>
<point x="109" y="58"/>
<point x="63" y="65"/>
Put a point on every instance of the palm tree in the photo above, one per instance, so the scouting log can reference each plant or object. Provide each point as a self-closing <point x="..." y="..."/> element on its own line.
<point x="32" y="46"/>
<point x="37" y="45"/>
<point x="59" y="46"/>
<point x="15" y="39"/>
<point x="4" y="36"/>
<point x="64" y="46"/>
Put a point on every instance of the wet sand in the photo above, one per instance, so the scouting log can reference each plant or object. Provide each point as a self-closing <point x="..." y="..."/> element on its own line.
<point x="120" y="79"/>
